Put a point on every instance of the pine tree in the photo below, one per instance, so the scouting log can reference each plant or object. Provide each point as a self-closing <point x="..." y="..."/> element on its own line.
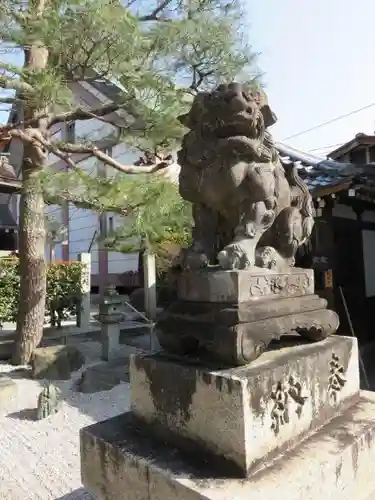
<point x="161" y="54"/>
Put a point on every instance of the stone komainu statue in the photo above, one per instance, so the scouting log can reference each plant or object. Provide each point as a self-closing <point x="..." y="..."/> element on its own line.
<point x="250" y="217"/>
<point x="248" y="211"/>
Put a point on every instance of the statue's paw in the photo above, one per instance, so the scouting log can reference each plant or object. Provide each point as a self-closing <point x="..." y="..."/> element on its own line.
<point x="272" y="264"/>
<point x="233" y="257"/>
<point x="269" y="258"/>
<point x="270" y="203"/>
<point x="250" y="230"/>
<point x="191" y="260"/>
<point x="264" y="257"/>
<point x="227" y="261"/>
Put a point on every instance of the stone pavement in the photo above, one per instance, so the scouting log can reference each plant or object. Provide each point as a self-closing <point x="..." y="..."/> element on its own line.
<point x="39" y="460"/>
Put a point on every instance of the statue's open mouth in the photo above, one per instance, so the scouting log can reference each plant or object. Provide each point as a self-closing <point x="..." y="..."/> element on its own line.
<point x="243" y="126"/>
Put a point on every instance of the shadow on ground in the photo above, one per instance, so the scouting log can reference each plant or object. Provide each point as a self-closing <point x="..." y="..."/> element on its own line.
<point x="26" y="414"/>
<point x="80" y="494"/>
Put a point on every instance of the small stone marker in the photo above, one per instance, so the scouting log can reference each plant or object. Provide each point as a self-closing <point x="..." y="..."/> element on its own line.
<point x="48" y="401"/>
<point x="7" y="388"/>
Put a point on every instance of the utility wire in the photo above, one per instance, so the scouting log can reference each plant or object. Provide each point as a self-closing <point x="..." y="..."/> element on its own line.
<point x="346" y="115"/>
<point x="326" y="147"/>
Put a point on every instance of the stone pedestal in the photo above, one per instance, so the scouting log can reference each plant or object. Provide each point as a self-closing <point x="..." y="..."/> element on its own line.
<point x="232" y="316"/>
<point x="246" y="415"/>
<point x="110" y="340"/>
<point x="292" y="423"/>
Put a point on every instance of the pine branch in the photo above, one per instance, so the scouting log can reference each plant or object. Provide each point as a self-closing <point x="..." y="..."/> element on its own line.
<point x="108" y="160"/>
<point x="63" y="156"/>
<point x="77" y="201"/>
<point x="82" y="114"/>
<point x="6" y="131"/>
<point x="38" y="138"/>
<point x="53" y="119"/>
<point x="64" y="150"/>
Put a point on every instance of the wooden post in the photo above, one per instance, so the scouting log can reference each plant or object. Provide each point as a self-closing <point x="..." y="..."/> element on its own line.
<point x="149" y="269"/>
<point x="84" y="310"/>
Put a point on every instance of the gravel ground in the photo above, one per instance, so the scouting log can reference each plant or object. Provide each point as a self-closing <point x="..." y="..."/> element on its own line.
<point x="39" y="460"/>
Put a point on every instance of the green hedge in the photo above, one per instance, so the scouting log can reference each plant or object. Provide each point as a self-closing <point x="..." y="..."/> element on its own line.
<point x="63" y="290"/>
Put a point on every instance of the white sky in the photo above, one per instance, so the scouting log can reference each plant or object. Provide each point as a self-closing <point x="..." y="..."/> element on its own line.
<point x="319" y="62"/>
<point x="318" y="59"/>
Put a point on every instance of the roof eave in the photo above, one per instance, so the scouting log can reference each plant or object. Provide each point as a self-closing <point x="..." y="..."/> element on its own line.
<point x="359" y="140"/>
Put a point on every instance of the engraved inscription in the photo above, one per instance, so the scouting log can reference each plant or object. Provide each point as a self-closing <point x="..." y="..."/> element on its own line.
<point x="287" y="284"/>
<point x="336" y="379"/>
<point x="282" y="396"/>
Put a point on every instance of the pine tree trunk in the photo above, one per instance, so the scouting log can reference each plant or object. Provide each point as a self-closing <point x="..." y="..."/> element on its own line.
<point x="30" y="320"/>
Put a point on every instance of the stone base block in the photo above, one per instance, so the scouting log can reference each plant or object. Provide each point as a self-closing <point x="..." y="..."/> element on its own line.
<point x="206" y="331"/>
<point x="118" y="462"/>
<point x="220" y="313"/>
<point x="245" y="416"/>
<point x="231" y="287"/>
<point x="232" y="316"/>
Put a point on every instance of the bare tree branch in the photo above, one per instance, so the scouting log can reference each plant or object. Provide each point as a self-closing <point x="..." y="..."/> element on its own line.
<point x="153" y="16"/>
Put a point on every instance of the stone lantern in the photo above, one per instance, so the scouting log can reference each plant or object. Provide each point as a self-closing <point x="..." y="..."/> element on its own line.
<point x="110" y="317"/>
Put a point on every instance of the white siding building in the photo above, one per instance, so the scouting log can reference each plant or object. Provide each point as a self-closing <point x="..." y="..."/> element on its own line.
<point x="85" y="226"/>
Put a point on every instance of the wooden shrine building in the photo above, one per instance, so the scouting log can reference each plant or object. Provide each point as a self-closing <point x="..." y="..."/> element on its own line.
<point x="342" y="247"/>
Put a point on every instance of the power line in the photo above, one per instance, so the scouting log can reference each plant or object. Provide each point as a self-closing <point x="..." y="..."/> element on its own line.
<point x="346" y="115"/>
<point x="326" y="147"/>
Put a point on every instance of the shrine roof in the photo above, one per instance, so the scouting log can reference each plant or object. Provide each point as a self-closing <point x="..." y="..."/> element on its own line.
<point x="322" y="176"/>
